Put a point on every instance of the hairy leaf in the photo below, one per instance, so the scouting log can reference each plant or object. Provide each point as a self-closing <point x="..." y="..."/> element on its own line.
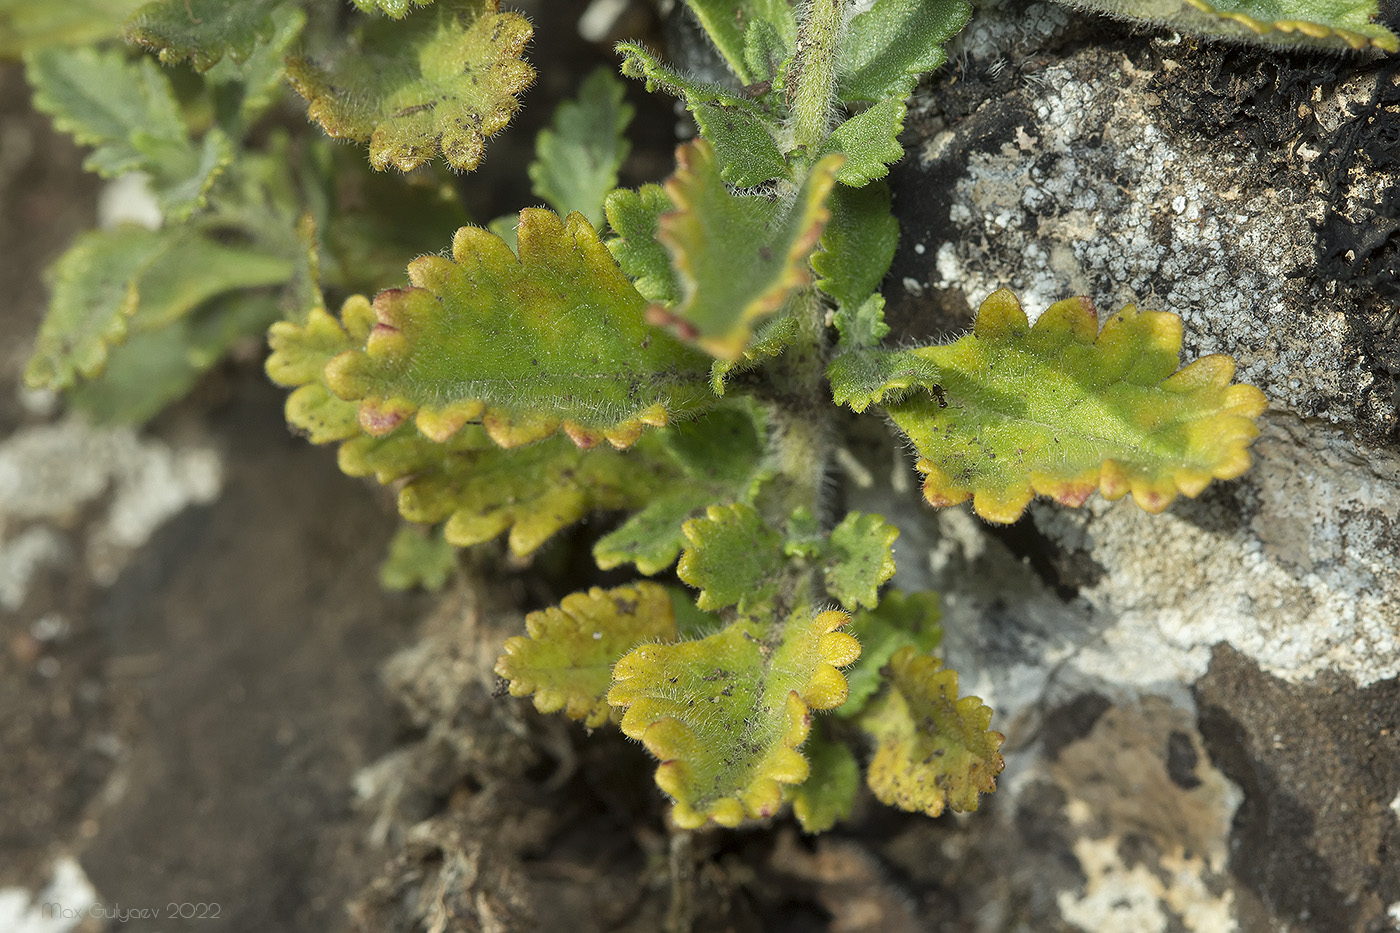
<point x="639" y="62"/>
<point x="771" y="337"/>
<point x="106" y="277"/>
<point x="244" y="90"/>
<point x="154" y="368"/>
<point x="566" y="662"/>
<point x="417" y="557"/>
<point x="829" y="793"/>
<point x="299" y="356"/>
<point x="577" y="158"/>
<point x="748" y="154"/>
<point x="396" y="9"/>
<point x="738" y="257"/>
<point x="534" y="491"/>
<point x="93" y="288"/>
<point x="1059" y="409"/>
<point x="26" y="25"/>
<point x="579" y="355"/>
<point x="728" y="23"/>
<point x="1284" y="23"/>
<point x="204" y="31"/>
<point x="887" y="47"/>
<point x="869" y="141"/>
<point x="901" y="619"/>
<point x="635" y="217"/>
<point x="443" y="80"/>
<point x="733" y="557"/>
<point x="857" y="248"/>
<point x="720" y="456"/>
<point x="726" y="714"/>
<point x="933" y="750"/>
<point x="126" y="110"/>
<point x="858" y="559"/>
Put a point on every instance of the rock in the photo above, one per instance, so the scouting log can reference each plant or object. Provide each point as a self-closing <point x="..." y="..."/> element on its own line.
<point x="1202" y="707"/>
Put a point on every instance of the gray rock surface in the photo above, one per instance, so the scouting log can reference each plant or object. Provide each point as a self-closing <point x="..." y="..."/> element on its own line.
<point x="1202" y="707"/>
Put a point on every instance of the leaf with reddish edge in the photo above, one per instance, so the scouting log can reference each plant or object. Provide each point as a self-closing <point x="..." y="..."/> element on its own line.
<point x="442" y="80"/>
<point x="737" y="257"/>
<point x="552" y="340"/>
<point x="1059" y="409"/>
<point x="726" y="714"/>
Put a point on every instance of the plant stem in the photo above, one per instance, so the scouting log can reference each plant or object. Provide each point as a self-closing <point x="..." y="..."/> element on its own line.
<point x="815" y="68"/>
<point x="803" y="418"/>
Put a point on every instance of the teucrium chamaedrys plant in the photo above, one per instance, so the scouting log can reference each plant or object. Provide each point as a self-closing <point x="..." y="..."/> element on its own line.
<point x="679" y="365"/>
<point x="675" y="353"/>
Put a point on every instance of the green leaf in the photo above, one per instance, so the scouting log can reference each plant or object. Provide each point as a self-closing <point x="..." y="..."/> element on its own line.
<point x="93" y="287"/>
<point x="1059" y="409"/>
<point x="127" y="111"/>
<point x="375" y="223"/>
<point x="726" y="714"/>
<point x="204" y="31"/>
<point x="26" y="25"/>
<point x="245" y="90"/>
<point x="566" y="662"/>
<point x="768" y="51"/>
<point x="577" y="159"/>
<point x="720" y="455"/>
<point x="728" y="23"/>
<point x="738" y="257"/>
<point x="829" y="793"/>
<point x="638" y="62"/>
<point x="154" y="368"/>
<point x="744" y="145"/>
<point x="733" y="557"/>
<point x="901" y="619"/>
<point x="635" y="217"/>
<point x="869" y="141"/>
<point x="771" y="337"/>
<point x="443" y="80"/>
<point x="857" y="248"/>
<point x="887" y="47"/>
<point x="107" y="277"/>
<point x="417" y="557"/>
<point x="858" y="559"/>
<point x="933" y="750"/>
<point x="397" y="9"/>
<point x="579" y="356"/>
<point x="1320" y="24"/>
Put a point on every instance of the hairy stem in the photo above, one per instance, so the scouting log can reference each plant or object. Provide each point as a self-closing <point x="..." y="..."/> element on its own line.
<point x="815" y="73"/>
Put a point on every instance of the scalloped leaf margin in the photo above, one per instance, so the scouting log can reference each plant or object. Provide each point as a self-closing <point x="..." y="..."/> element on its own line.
<point x="1060" y="409"/>
<point x="726" y="714"/>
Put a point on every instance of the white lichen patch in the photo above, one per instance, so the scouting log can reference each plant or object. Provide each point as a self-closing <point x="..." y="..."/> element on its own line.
<point x="52" y="474"/>
<point x="1306" y="585"/>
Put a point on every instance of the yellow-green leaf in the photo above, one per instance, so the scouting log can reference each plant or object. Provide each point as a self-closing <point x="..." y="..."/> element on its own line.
<point x="901" y="619"/>
<point x="726" y="714"/>
<point x="566" y="661"/>
<point x="829" y="793"/>
<point x="417" y="557"/>
<point x="1059" y="409"/>
<point x="738" y="257"/>
<point x="204" y="31"/>
<point x="579" y="355"/>
<point x="858" y="559"/>
<point x="933" y="750"/>
<point x="1317" y="24"/>
<point x="443" y="80"/>
<point x="733" y="557"/>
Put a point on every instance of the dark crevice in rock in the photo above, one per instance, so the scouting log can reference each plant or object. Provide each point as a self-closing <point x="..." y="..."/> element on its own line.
<point x="1318" y="764"/>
